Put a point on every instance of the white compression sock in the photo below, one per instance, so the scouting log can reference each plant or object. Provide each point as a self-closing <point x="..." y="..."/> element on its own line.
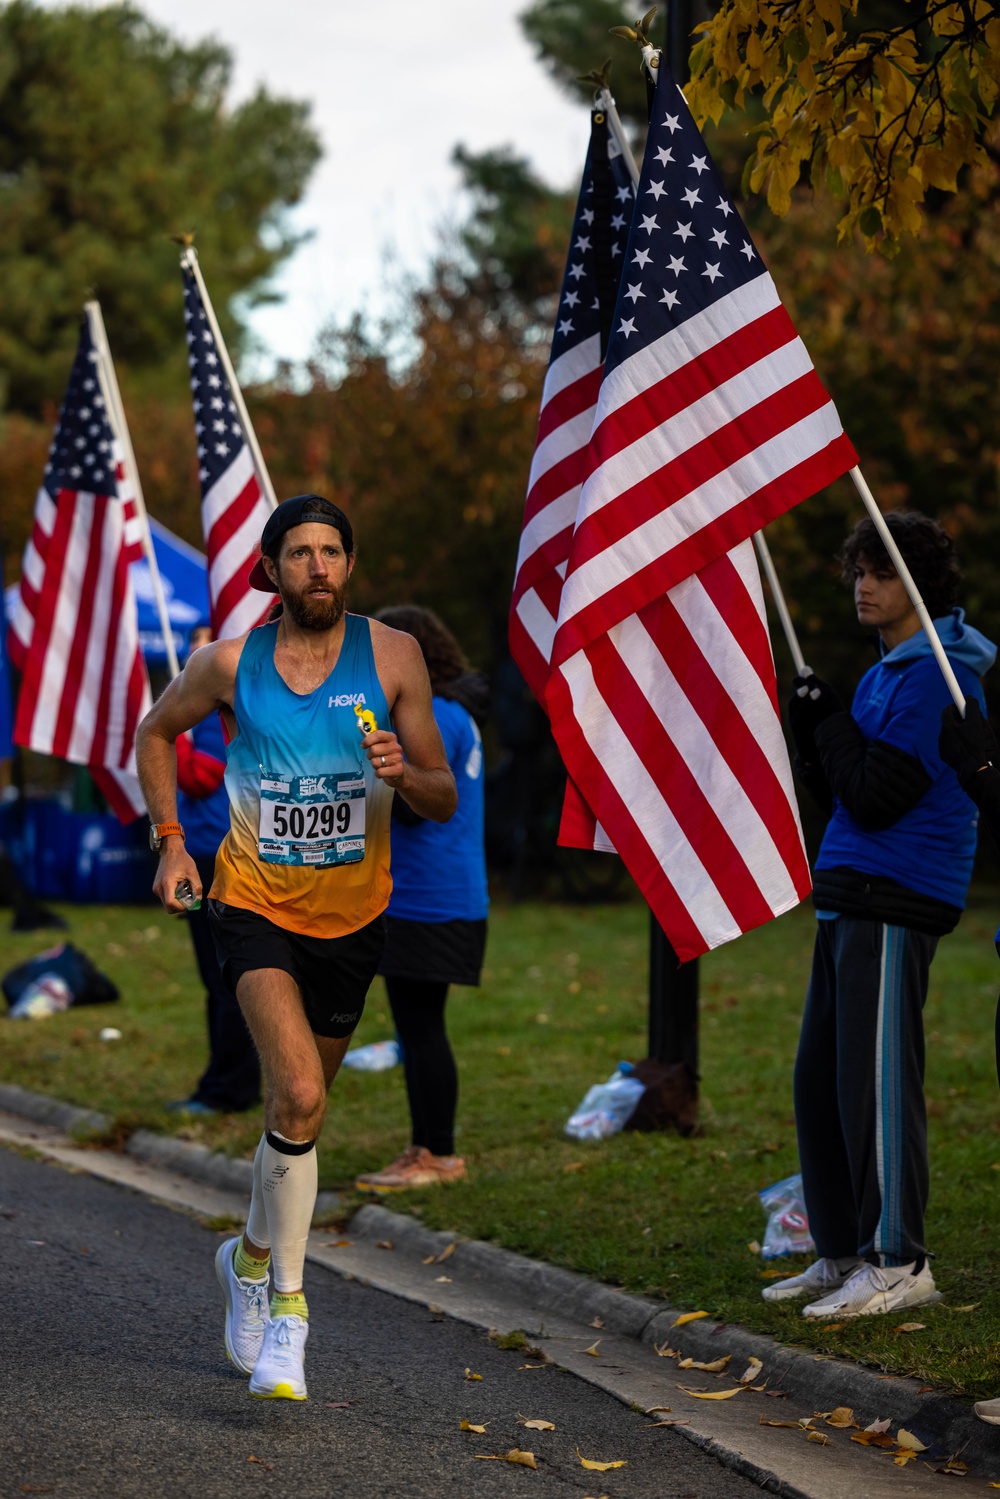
<point x="257" y="1230"/>
<point x="289" y="1182"/>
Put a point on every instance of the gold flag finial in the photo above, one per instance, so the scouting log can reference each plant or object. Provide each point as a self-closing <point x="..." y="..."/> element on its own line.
<point x="639" y="30"/>
<point x="599" y="77"/>
<point x="185" y="240"/>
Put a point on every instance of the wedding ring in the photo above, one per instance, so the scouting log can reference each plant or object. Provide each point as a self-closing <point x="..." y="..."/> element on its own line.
<point x="382" y="758"/>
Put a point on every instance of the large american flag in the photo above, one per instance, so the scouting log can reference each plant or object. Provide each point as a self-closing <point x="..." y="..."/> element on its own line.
<point x="710" y="422"/>
<point x="569" y="401"/>
<point x="233" y="508"/>
<point x="74" y="635"/>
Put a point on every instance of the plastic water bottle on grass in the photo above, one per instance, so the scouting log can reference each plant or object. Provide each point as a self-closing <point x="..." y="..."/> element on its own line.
<point x="46" y="995"/>
<point x="607" y="1107"/>
<point x="377" y="1056"/>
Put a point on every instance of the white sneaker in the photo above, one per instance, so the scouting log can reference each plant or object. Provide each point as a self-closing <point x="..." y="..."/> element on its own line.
<point x="279" y="1373"/>
<point x="876" y="1288"/>
<point x="820" y="1278"/>
<point x="247" y="1313"/>
<point x="988" y="1410"/>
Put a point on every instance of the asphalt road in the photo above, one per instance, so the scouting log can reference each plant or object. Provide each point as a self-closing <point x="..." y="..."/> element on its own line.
<point x="114" y="1380"/>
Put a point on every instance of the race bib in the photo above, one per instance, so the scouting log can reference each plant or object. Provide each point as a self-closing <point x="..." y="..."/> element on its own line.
<point x="316" y="820"/>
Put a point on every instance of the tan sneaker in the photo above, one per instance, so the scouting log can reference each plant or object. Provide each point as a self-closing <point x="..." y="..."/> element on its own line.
<point x="416" y="1167"/>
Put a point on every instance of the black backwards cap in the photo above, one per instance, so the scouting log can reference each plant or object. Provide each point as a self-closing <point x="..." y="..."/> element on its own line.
<point x="298" y="511"/>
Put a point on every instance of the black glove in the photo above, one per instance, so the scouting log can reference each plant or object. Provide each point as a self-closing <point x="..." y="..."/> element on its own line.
<point x="812" y="701"/>
<point x="967" y="744"/>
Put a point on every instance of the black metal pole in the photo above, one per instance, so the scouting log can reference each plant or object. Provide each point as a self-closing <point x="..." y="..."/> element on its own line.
<point x="673" y="986"/>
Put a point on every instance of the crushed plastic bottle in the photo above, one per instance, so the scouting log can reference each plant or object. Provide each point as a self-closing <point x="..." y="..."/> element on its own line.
<point x="787" y="1229"/>
<point x="44" y="996"/>
<point x="377" y="1056"/>
<point x="607" y="1107"/>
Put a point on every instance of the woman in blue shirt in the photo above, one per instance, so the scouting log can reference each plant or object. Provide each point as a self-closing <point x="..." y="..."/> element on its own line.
<point x="437" y="913"/>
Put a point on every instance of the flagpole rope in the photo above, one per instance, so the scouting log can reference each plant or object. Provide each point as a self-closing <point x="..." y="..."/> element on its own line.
<point x="896" y="557"/>
<point x="189" y="262"/>
<point x="108" y="381"/>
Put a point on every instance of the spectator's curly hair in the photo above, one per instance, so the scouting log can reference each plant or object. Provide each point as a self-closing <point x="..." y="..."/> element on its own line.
<point x="444" y="656"/>
<point x="928" y="552"/>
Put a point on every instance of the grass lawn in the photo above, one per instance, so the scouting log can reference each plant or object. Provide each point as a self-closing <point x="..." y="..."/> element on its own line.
<point x="563" y="998"/>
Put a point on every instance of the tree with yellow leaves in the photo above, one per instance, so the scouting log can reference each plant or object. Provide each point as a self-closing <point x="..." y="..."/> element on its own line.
<point x="875" y="114"/>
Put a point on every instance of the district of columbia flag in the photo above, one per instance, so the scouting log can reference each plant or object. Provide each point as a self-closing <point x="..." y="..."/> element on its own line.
<point x="710" y="422"/>
<point x="233" y="508"/>
<point x="569" y="400"/>
<point x="74" y="636"/>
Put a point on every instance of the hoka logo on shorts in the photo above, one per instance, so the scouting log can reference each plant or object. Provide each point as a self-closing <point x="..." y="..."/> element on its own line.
<point x="348" y="700"/>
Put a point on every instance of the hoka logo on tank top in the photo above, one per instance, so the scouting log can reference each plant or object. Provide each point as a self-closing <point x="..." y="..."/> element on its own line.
<point x="308" y="845"/>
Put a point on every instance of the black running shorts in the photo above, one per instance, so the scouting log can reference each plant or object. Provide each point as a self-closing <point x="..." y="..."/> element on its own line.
<point x="333" y="973"/>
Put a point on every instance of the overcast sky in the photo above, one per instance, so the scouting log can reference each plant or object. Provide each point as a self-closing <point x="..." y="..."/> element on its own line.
<point x="394" y="85"/>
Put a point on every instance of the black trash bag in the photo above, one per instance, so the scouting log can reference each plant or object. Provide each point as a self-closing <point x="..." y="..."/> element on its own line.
<point x="670" y="1100"/>
<point x="86" y="983"/>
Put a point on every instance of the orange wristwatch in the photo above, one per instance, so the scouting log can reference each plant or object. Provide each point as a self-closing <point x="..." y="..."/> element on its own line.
<point x="161" y="830"/>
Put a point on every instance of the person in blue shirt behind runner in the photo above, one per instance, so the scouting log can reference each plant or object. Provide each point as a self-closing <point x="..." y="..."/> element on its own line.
<point x="231" y="1081"/>
<point x="890" y="880"/>
<point x="436" y="914"/>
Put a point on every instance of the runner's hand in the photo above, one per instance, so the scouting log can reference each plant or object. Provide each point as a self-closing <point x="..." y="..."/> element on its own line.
<point x="176" y="864"/>
<point x="386" y="754"/>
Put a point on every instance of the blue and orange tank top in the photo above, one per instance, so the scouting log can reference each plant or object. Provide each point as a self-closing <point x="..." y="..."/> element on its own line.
<point x="308" y="843"/>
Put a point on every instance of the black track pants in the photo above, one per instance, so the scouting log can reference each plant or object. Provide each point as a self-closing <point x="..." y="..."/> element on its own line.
<point x="859" y="1091"/>
<point x="428" y="1063"/>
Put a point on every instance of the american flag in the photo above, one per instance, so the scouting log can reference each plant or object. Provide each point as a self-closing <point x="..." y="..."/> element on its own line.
<point x="710" y="422"/>
<point x="233" y="509"/>
<point x="569" y="401"/>
<point x="74" y="635"/>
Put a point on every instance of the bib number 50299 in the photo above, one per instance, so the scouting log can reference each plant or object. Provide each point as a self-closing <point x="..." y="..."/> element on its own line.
<point x="312" y="821"/>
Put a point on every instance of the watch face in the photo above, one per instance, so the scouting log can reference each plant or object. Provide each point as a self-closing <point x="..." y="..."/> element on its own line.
<point x="154" y="840"/>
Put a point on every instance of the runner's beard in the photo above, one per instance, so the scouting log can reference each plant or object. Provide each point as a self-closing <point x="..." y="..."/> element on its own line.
<point x="315" y="614"/>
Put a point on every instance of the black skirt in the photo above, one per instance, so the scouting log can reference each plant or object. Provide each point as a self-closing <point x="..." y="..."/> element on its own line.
<point x="439" y="952"/>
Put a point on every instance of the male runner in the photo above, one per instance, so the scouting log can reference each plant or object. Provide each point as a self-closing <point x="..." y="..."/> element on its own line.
<point x="313" y="703"/>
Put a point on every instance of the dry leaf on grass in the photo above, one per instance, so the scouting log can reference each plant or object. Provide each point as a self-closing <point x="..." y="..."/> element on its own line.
<point x="970" y="1308"/>
<point x="835" y="1327"/>
<point x="715" y="1367"/>
<point x="515" y="1455"/>
<point x="772" y="1274"/>
<point x="714" y="1394"/>
<point x="464" y="1425"/>
<point x="754" y="1246"/>
<point x="597" y="1467"/>
<point x="449" y="1249"/>
<point x="842" y="1417"/>
<point x="385" y="1244"/>
<point x="910" y="1327"/>
<point x="573" y="1166"/>
<point x="469" y="1375"/>
<point x="818" y="1436"/>
<point x="593" y="1350"/>
<point x="753" y="1368"/>
<point x="686" y="1317"/>
<point x="536" y="1425"/>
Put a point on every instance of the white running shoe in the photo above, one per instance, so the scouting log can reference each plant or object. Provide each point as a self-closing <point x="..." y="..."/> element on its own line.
<point x="279" y="1373"/>
<point x="819" y="1279"/>
<point x="247" y="1312"/>
<point x="988" y="1410"/>
<point x="875" y="1288"/>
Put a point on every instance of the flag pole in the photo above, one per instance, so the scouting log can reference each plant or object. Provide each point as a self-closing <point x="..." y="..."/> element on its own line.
<point x="896" y="558"/>
<point x="777" y="594"/>
<point x="116" y="416"/>
<point x="605" y="101"/>
<point x="189" y="262"/>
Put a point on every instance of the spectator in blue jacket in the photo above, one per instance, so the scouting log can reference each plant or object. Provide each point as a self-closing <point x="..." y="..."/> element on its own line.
<point x="231" y="1081"/>
<point x="437" y="913"/>
<point x="890" y="879"/>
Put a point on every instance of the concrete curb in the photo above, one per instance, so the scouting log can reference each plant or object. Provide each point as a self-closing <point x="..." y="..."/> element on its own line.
<point x="944" y="1422"/>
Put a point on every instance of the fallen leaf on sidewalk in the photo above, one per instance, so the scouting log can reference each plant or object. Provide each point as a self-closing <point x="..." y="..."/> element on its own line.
<point x="529" y="1366"/>
<point x="535" y="1425"/>
<point x="385" y="1244"/>
<point x="464" y="1425"/>
<point x="597" y="1322"/>
<point x="789" y="1425"/>
<point x="819" y="1436"/>
<point x="515" y="1455"/>
<point x="753" y="1368"/>
<point x="336" y="1244"/>
<point x="653" y="1424"/>
<point x="910" y="1327"/>
<point x="777" y="1394"/>
<point x="715" y="1367"/>
<point x="665" y="1352"/>
<point x="442" y="1280"/>
<point x="842" y="1417"/>
<point x="598" y="1467"/>
<point x="687" y="1317"/>
<point x="714" y="1394"/>
<point x="449" y="1249"/>
<point x="657" y="1410"/>
<point x="954" y="1465"/>
<point x="873" y="1439"/>
<point x="909" y="1441"/>
<point x="469" y="1375"/>
<point x="593" y="1350"/>
<point x="263" y="1464"/>
<point x="903" y="1456"/>
<point x="428" y="1261"/>
<point x="879" y="1425"/>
